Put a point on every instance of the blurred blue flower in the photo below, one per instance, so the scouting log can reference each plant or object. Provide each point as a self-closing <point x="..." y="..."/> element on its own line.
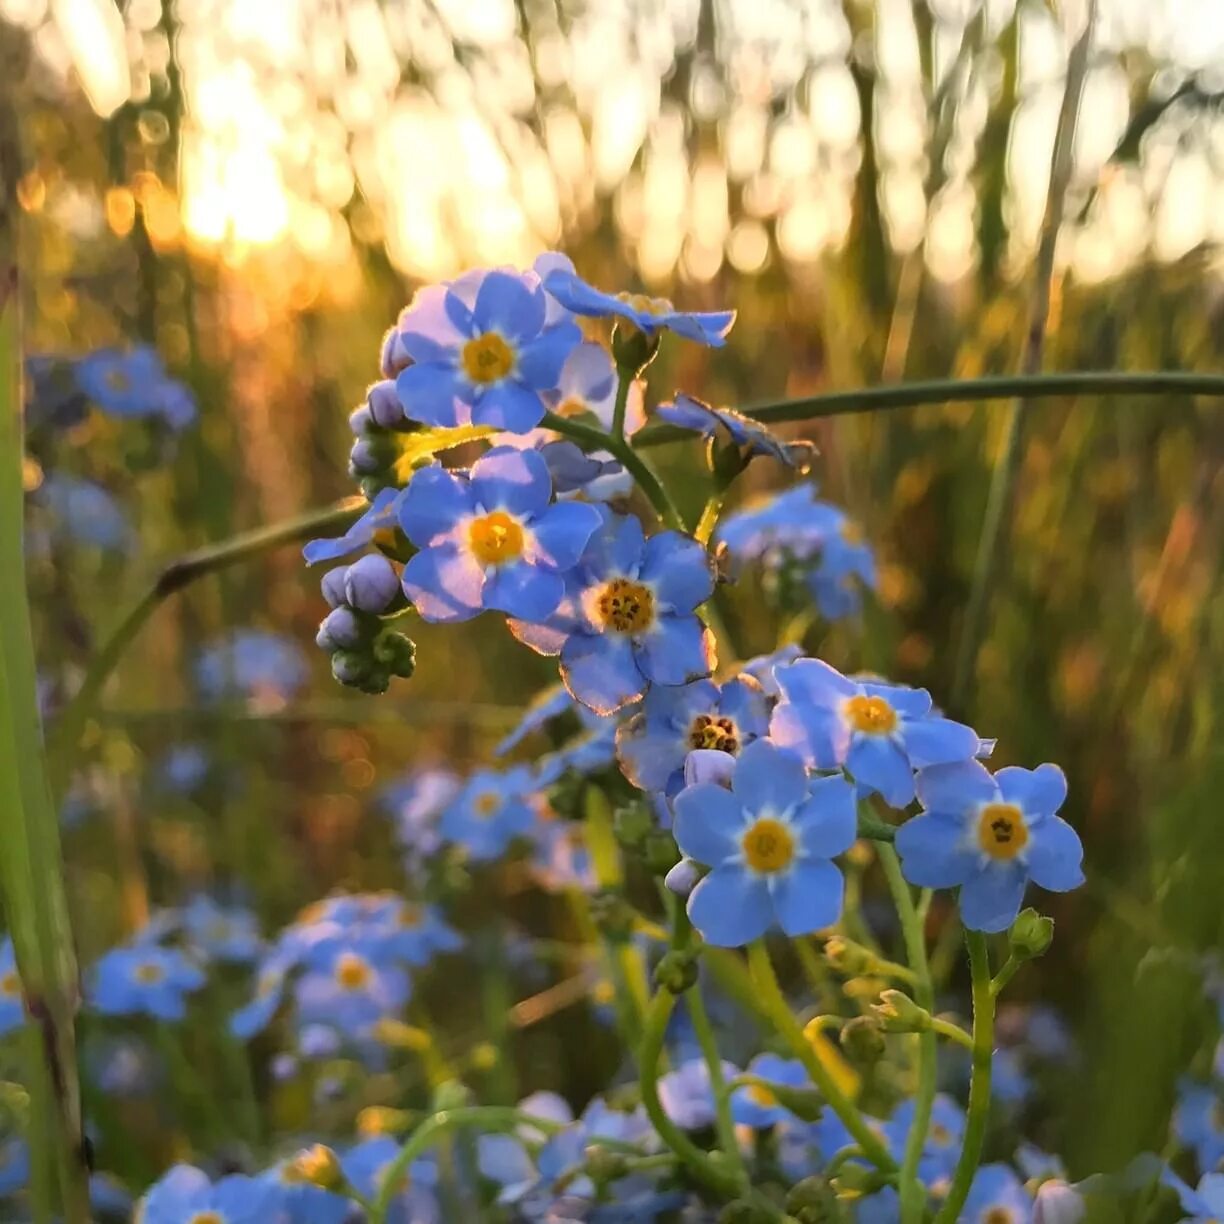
<point x="552" y="703"/>
<point x="109" y="1198"/>
<point x="415" y="1200"/>
<point x="184" y="1195"/>
<point x="492" y="539"/>
<point x="348" y="990"/>
<point x="503" y="1159"/>
<point x="769" y="841"/>
<point x="143" y="979"/>
<point x="645" y="313"/>
<point x="943" y="1139"/>
<point x="688" y="412"/>
<point x="990" y="835"/>
<point x="14" y="1166"/>
<point x="484" y="351"/>
<point x="678" y="719"/>
<point x="123" y="1067"/>
<point x="880" y="733"/>
<point x="252" y="663"/>
<point x="490" y="811"/>
<point x="416" y="805"/>
<point x="81" y="511"/>
<point x="1038" y="1028"/>
<point x="629" y="619"/>
<point x="383" y="515"/>
<point x="754" y="1105"/>
<point x="1198" y="1122"/>
<point x="183" y="768"/>
<point x="135" y="384"/>
<point x="1205" y="1203"/>
<point x="225" y="934"/>
<point x="997" y="1196"/>
<point x="560" y="858"/>
<point x="12" y="1009"/>
<point x="687" y="1096"/>
<point x="302" y="1202"/>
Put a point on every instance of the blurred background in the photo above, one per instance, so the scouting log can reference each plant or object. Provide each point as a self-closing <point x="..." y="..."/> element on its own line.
<point x="257" y="188"/>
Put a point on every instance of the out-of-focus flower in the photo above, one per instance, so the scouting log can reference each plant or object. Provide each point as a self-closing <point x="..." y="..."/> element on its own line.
<point x="490" y="811"/>
<point x="185" y="1193"/>
<point x="265" y="667"/>
<point x="768" y="841"/>
<point x="754" y="1105"/>
<point x="484" y="351"/>
<point x="990" y="836"/>
<point x="135" y="384"/>
<point x="880" y="733"/>
<point x="998" y="1196"/>
<point x="144" y="979"/>
<point x="416" y="805"/>
<point x="493" y="539"/>
<point x="628" y="620"/>
<point x="1198" y="1122"/>
<point x="81" y="511"/>
<point x="12" y="1010"/>
<point x="687" y="1096"/>
<point x="224" y="934"/>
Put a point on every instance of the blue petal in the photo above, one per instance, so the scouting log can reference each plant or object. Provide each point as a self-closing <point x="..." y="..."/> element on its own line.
<point x="617" y="547"/>
<point x="816" y="733"/>
<point x="562" y="532"/>
<point x="827" y="823"/>
<point x="705" y="327"/>
<point x="649" y="756"/>
<point x="588" y="375"/>
<point x="730" y="907"/>
<point x="679" y="569"/>
<point x="678" y="649"/>
<point x="434" y="502"/>
<point x="1054" y="854"/>
<point x="427" y="331"/>
<point x="505" y="304"/>
<point x="769" y="778"/>
<point x="600" y="671"/>
<point x="540" y="361"/>
<point x="709" y="823"/>
<point x="956" y="789"/>
<point x="814" y="682"/>
<point x="879" y="764"/>
<point x="909" y="702"/>
<point x="508" y="406"/>
<point x="523" y="591"/>
<point x="428" y="393"/>
<point x="1035" y="791"/>
<point x="990" y="899"/>
<point x="444" y="583"/>
<point x="933" y="854"/>
<point x="938" y="741"/>
<point x="517" y="481"/>
<point x="808" y="897"/>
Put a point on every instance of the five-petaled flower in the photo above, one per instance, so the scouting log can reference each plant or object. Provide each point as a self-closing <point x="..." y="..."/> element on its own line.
<point x="880" y="733"/>
<point x="491" y="539"/>
<point x="768" y="842"/>
<point x="990" y="836"/>
<point x="490" y="811"/>
<point x="485" y="350"/>
<point x="144" y="979"/>
<point x="628" y="620"/>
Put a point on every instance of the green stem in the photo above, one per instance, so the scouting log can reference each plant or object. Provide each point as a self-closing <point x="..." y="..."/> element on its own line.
<point x="1005" y="975"/>
<point x="709" y="518"/>
<point x="876" y="830"/>
<point x="624" y="382"/>
<point x="720" y="1180"/>
<point x="772" y="998"/>
<point x="979" y="1087"/>
<point x="991" y="544"/>
<point x="962" y="390"/>
<point x="725" y="1124"/>
<point x="953" y="1032"/>
<point x="438" y="1127"/>
<point x="174" y="577"/>
<point x="912" y="1192"/>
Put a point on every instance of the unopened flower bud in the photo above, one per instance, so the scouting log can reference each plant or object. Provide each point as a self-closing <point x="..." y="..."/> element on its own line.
<point x="604" y="1165"/>
<point x="613" y="915"/>
<point x="372" y="584"/>
<point x="862" y="1040"/>
<point x="683" y="877"/>
<point x="352" y="668"/>
<point x="848" y="957"/>
<point x="396" y="653"/>
<point x="450" y="1094"/>
<point x="377" y="1120"/>
<point x="384" y="405"/>
<point x="332" y="586"/>
<point x="1030" y="935"/>
<point x="1058" y="1203"/>
<point x="318" y="1166"/>
<point x="342" y="627"/>
<point x="896" y="1012"/>
<point x="677" y="972"/>
<point x="394" y="356"/>
<point x="360" y="420"/>
<point x="854" y="1179"/>
<point x="368" y="456"/>
<point x="632" y="349"/>
<point x="812" y="1201"/>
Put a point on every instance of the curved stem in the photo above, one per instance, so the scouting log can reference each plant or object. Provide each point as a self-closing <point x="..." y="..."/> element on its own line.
<point x="912" y="1192"/>
<point x="725" y="1124"/>
<point x="953" y="1032"/>
<point x="698" y="1162"/>
<point x="774" y="1002"/>
<point x="624" y="381"/>
<point x="1005" y="975"/>
<point x="979" y="1087"/>
<point x="179" y="573"/>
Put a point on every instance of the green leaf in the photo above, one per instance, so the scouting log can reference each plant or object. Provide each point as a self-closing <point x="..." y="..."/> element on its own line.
<point x="418" y="448"/>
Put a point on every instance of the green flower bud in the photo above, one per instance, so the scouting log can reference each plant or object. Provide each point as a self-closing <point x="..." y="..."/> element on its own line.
<point x="396" y="652"/>
<point x="848" y="957"/>
<point x="741" y="1211"/>
<point x="1030" y="935"/>
<point x="318" y="1166"/>
<point x="613" y="915"/>
<point x="451" y="1094"/>
<point x="896" y="1012"/>
<point x="812" y="1201"/>
<point x="632" y="349"/>
<point x="604" y="1165"/>
<point x="677" y="972"/>
<point x="862" y="1040"/>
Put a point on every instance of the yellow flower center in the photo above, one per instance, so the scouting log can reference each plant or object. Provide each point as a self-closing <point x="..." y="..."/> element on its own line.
<point x="317" y="1166"/>
<point x="710" y="732"/>
<point x="410" y="915"/>
<point x="999" y="1215"/>
<point x="10" y="984"/>
<point x="487" y="804"/>
<point x="352" y="972"/>
<point x="495" y="538"/>
<point x="852" y="533"/>
<point x="644" y="304"/>
<point x="762" y="1096"/>
<point x="625" y="607"/>
<point x="940" y="1134"/>
<point x="871" y="715"/>
<point x="117" y="380"/>
<point x="572" y="407"/>
<point x="149" y="973"/>
<point x="768" y="845"/>
<point x="487" y="359"/>
<point x="207" y="1217"/>
<point x="1002" y="833"/>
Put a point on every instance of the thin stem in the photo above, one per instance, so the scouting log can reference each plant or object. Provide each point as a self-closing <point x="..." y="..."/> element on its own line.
<point x="1005" y="975"/>
<point x="709" y="518"/>
<point x="773" y="1000"/>
<point x="698" y="1162"/>
<point x="436" y="1128"/>
<point x="876" y="830"/>
<point x="624" y="381"/>
<point x="953" y="1032"/>
<point x="912" y="1192"/>
<point x="991" y="543"/>
<point x="979" y="1087"/>
<point x="174" y="577"/>
<point x="724" y="1122"/>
